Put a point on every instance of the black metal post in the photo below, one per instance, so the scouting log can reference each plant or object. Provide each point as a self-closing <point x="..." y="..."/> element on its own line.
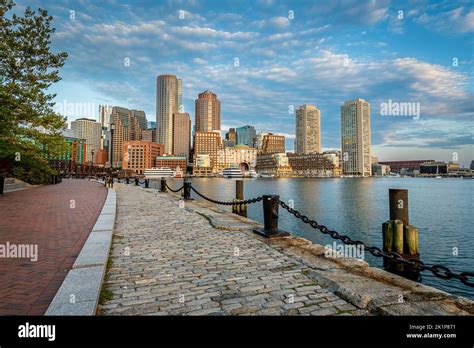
<point x="270" y="218"/>
<point x="147" y="183"/>
<point x="187" y="188"/>
<point x="163" y="185"/>
<point x="2" y="184"/>
<point x="127" y="180"/>
<point x="136" y="181"/>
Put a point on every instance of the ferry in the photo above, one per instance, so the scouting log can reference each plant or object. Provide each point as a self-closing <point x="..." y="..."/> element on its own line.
<point x="178" y="173"/>
<point x="253" y="173"/>
<point x="250" y="174"/>
<point x="232" y="172"/>
<point x="157" y="173"/>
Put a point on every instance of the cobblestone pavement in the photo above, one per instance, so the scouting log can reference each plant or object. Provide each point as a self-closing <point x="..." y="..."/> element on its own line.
<point x="166" y="260"/>
<point x="56" y="218"/>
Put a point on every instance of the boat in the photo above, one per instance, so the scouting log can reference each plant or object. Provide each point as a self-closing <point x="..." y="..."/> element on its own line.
<point x="157" y="173"/>
<point x="267" y="175"/>
<point x="438" y="177"/>
<point x="178" y="173"/>
<point x="251" y="174"/>
<point x="232" y="172"/>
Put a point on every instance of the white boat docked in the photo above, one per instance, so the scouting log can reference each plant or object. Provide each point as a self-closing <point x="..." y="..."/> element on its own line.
<point x="250" y="174"/>
<point x="157" y="173"/>
<point x="232" y="172"/>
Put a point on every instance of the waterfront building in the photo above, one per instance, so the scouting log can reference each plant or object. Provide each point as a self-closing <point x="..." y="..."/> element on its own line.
<point x="208" y="143"/>
<point x="202" y="165"/>
<point x="437" y="167"/>
<point x="101" y="158"/>
<point x="311" y="165"/>
<point x="231" y="136"/>
<point x="168" y="102"/>
<point x="405" y="167"/>
<point x="75" y="152"/>
<point x="172" y="162"/>
<point x="272" y="143"/>
<point x="308" y="130"/>
<point x="90" y="130"/>
<point x="380" y="169"/>
<point x="149" y="134"/>
<point x="181" y="134"/>
<point x="105" y="113"/>
<point x="207" y="112"/>
<point x="335" y="157"/>
<point x="140" y="155"/>
<point x="246" y="135"/>
<point x="129" y="125"/>
<point x="355" y="137"/>
<point x="275" y="164"/>
<point x="245" y="157"/>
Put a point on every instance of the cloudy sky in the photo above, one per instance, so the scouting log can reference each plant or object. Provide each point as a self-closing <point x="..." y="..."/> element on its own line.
<point x="264" y="58"/>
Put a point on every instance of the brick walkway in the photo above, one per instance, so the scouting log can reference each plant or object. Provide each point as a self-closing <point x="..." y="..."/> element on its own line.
<point x="45" y="216"/>
<point x="166" y="260"/>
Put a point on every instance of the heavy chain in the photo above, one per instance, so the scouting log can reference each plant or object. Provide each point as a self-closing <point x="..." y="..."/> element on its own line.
<point x="247" y="201"/>
<point x="439" y="271"/>
<point x="169" y="188"/>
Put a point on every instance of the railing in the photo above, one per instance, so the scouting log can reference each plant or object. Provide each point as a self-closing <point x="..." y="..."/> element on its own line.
<point x="270" y="230"/>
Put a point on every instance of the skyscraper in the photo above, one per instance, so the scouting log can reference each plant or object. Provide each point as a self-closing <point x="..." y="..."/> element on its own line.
<point x="129" y="125"/>
<point x="246" y="135"/>
<point x="355" y="137"/>
<point x="104" y="115"/>
<point x="90" y="130"/>
<point x="208" y="112"/>
<point x="168" y="99"/>
<point x="308" y="130"/>
<point x="181" y="134"/>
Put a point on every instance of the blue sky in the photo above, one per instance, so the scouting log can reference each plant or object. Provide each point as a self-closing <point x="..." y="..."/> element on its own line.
<point x="289" y="53"/>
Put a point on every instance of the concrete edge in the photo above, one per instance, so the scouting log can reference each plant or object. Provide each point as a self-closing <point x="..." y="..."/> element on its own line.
<point x="79" y="293"/>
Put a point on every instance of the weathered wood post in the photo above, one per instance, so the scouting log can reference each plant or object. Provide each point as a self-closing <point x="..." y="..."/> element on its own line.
<point x="239" y="209"/>
<point x="399" y="236"/>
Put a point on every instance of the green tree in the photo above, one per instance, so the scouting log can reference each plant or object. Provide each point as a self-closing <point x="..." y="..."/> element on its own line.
<point x="29" y="128"/>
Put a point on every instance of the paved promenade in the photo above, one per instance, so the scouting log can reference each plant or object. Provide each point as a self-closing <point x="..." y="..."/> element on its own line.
<point x="56" y="218"/>
<point x="167" y="260"/>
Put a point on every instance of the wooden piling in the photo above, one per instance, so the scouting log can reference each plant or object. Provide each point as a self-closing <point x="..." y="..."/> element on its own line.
<point x="398" y="236"/>
<point x="387" y="233"/>
<point x="240" y="209"/>
<point x="411" y="240"/>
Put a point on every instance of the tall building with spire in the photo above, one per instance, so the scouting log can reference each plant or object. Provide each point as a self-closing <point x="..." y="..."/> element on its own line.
<point x="308" y="130"/>
<point x="355" y="137"/>
<point x="207" y="112"/>
<point x="168" y="102"/>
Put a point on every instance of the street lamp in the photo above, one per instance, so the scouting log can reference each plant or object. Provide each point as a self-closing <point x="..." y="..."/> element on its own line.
<point x="92" y="162"/>
<point x="112" y="129"/>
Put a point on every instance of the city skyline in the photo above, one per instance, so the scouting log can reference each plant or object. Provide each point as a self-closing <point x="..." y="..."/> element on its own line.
<point x="323" y="55"/>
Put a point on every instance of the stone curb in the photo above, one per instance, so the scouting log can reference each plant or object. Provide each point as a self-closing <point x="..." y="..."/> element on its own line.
<point x="79" y="293"/>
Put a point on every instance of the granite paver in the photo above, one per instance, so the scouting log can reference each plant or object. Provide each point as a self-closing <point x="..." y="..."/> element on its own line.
<point x="168" y="260"/>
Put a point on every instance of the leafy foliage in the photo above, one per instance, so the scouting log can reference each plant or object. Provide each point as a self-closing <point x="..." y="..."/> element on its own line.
<point x="29" y="127"/>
